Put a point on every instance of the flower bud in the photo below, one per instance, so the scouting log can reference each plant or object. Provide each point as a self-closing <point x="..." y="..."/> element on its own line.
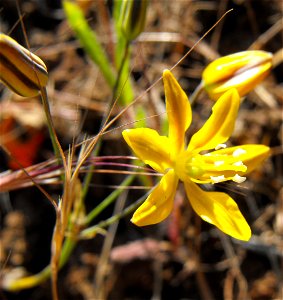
<point x="20" y="70"/>
<point x="242" y="70"/>
<point x="133" y="18"/>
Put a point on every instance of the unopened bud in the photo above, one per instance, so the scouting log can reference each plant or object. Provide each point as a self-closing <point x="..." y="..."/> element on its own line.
<point x="133" y="14"/>
<point x="20" y="70"/>
<point x="242" y="70"/>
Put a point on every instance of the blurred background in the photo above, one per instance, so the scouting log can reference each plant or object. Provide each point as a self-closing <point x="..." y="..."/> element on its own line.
<point x="183" y="257"/>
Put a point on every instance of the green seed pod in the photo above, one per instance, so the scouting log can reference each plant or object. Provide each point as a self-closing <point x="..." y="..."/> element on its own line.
<point x="133" y="14"/>
<point x="20" y="70"/>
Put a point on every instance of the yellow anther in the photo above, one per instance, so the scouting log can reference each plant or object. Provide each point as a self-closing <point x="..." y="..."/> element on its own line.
<point x="239" y="179"/>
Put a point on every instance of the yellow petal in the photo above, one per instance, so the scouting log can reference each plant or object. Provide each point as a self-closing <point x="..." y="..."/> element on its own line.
<point x="251" y="155"/>
<point x="150" y="147"/>
<point x="178" y="110"/>
<point x="219" y="127"/>
<point x="242" y="70"/>
<point x="220" y="210"/>
<point x="159" y="203"/>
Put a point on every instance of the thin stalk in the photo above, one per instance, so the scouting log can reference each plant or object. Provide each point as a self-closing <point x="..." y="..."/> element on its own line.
<point x="116" y="86"/>
<point x="88" y="39"/>
<point x="196" y="93"/>
<point x="56" y="245"/>
<point x="88" y="177"/>
<point x="101" y="270"/>
<point x="108" y="200"/>
<point x="55" y="143"/>
<point x="121" y="67"/>
<point x="91" y="231"/>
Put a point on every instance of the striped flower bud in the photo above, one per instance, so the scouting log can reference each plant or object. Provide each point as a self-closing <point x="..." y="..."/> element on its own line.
<point x="242" y="70"/>
<point x="133" y="18"/>
<point x="20" y="70"/>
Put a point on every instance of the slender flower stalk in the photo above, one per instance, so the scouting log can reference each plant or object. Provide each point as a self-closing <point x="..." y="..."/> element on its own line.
<point x="205" y="160"/>
<point x="242" y="70"/>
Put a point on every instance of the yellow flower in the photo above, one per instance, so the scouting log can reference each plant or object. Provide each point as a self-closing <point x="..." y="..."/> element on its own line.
<point x="195" y="163"/>
<point x="20" y="70"/>
<point x="242" y="70"/>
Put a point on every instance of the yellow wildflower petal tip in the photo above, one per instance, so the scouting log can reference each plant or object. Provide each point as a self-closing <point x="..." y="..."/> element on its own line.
<point x="242" y="70"/>
<point x="220" y="210"/>
<point x="178" y="110"/>
<point x="159" y="203"/>
<point x="219" y="127"/>
<point x="150" y="147"/>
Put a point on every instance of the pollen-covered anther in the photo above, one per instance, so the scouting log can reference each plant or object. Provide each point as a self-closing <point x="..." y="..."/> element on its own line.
<point x="238" y="152"/>
<point x="216" y="179"/>
<point x="220" y="146"/>
<point x="238" y="163"/>
<point x="239" y="179"/>
<point x="218" y="163"/>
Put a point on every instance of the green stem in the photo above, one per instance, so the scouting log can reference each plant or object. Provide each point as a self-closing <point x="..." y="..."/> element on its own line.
<point x="120" y="71"/>
<point x="88" y="39"/>
<point x="91" y="231"/>
<point x="108" y="200"/>
<point x="117" y="84"/>
<point x="55" y="143"/>
<point x="92" y="46"/>
<point x="88" y="177"/>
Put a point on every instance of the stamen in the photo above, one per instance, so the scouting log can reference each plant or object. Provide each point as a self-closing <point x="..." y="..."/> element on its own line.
<point x="220" y="146"/>
<point x="218" y="163"/>
<point x="216" y="179"/>
<point x="238" y="163"/>
<point x="239" y="179"/>
<point x="239" y="152"/>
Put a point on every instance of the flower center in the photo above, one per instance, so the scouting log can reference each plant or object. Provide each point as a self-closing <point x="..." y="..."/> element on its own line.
<point x="210" y="168"/>
<point x="189" y="166"/>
